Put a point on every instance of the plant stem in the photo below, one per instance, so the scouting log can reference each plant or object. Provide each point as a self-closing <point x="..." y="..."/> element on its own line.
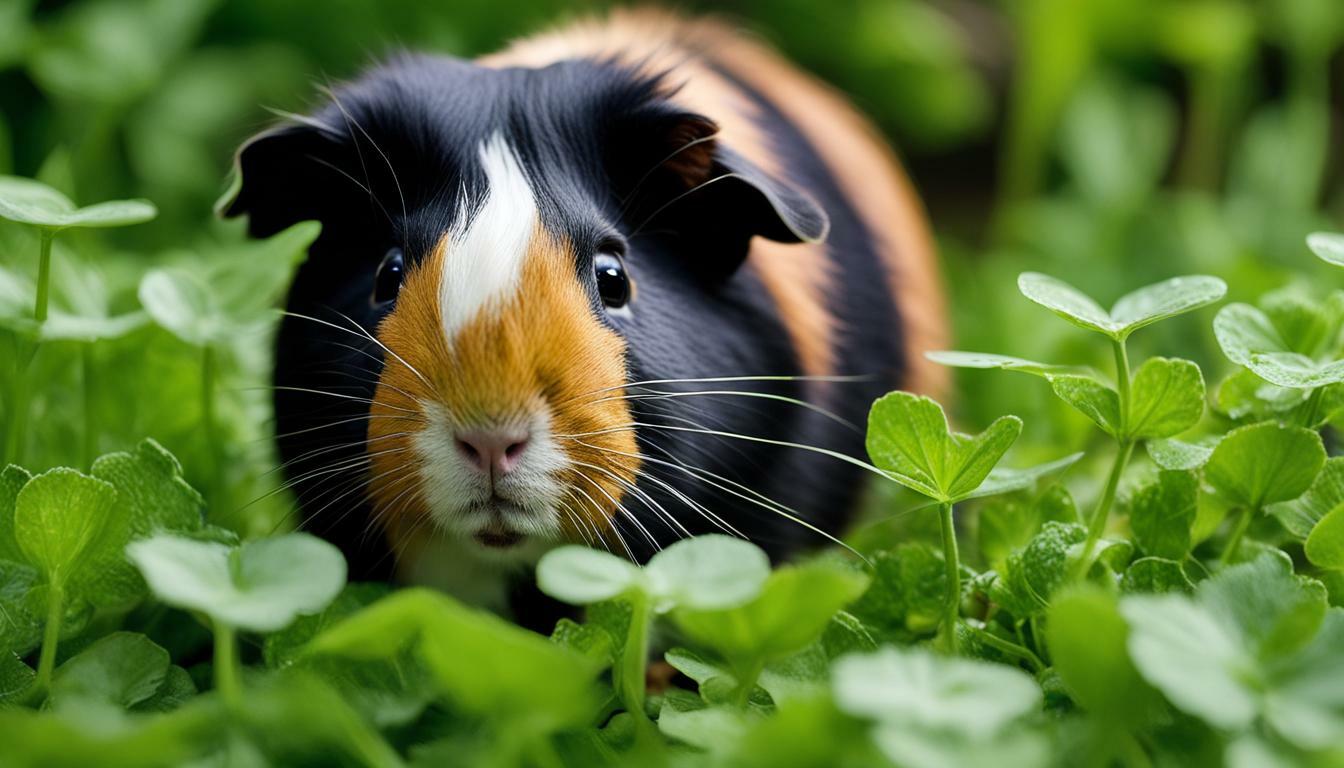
<point x="952" y="564"/>
<point x="1097" y="525"/>
<point x="635" y="656"/>
<point x="1011" y="648"/>
<point x="746" y="683"/>
<point x="1238" y="531"/>
<point x="226" y="665"/>
<point x="209" y="367"/>
<point x="88" y="446"/>
<point x="1313" y="406"/>
<point x="51" y="637"/>
<point x="43" y="277"/>
<point x="1122" y="381"/>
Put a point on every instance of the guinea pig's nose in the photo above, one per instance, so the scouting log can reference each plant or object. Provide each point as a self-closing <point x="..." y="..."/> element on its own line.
<point x="494" y="451"/>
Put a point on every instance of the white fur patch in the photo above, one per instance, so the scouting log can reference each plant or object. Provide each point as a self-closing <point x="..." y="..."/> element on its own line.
<point x="483" y="260"/>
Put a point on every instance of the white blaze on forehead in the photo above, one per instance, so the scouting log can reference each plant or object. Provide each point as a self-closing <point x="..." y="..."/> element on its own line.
<point x="483" y="259"/>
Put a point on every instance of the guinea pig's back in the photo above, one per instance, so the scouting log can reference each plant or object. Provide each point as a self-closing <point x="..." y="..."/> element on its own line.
<point x="790" y="124"/>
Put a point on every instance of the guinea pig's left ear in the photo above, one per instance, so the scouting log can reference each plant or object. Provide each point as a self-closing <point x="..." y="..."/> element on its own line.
<point x="703" y="189"/>
<point x="279" y="177"/>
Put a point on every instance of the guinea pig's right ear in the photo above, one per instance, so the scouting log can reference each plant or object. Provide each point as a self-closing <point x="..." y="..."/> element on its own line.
<point x="278" y="177"/>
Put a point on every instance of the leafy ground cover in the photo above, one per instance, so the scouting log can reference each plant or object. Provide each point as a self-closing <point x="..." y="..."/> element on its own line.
<point x="1135" y="559"/>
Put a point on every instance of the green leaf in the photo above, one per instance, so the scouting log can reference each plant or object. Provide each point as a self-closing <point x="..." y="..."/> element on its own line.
<point x="1162" y="513"/>
<point x="1301" y="515"/>
<point x="283" y="648"/>
<point x="12" y="480"/>
<point x="1173" y="454"/>
<point x="15" y="677"/>
<point x="1191" y="657"/>
<point x="150" y="485"/>
<point x="915" y="688"/>
<point x="1218" y="656"/>
<point x="1087" y="636"/>
<point x="1010" y="522"/>
<point x="906" y="590"/>
<point x="1328" y="247"/>
<point x="909" y="440"/>
<point x="1093" y="399"/>
<point x="1132" y="311"/>
<point x="20" y="619"/>
<point x="31" y="202"/>
<point x="708" y="572"/>
<point x="582" y="575"/>
<point x="1325" y="544"/>
<point x="484" y="664"/>
<point x="1306" y="703"/>
<point x="957" y="359"/>
<point x="1283" y="352"/>
<point x="1031" y="576"/>
<point x="181" y="303"/>
<point x="792" y="610"/>
<point x="122" y="669"/>
<point x="261" y="586"/>
<point x="64" y="519"/>
<point x="1166" y="398"/>
<point x="1009" y="479"/>
<point x="1155" y="575"/>
<point x="1265" y="463"/>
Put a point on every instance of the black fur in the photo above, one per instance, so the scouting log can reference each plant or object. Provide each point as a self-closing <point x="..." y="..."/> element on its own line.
<point x="591" y="134"/>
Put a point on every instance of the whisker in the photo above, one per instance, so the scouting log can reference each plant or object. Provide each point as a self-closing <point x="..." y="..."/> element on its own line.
<point x="661" y="395"/>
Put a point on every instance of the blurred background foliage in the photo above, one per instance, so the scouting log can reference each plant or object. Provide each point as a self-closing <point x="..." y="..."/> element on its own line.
<point x="1109" y="142"/>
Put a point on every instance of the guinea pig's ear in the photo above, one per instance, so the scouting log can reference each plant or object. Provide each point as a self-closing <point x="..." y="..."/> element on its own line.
<point x="279" y="177"/>
<point x="672" y="172"/>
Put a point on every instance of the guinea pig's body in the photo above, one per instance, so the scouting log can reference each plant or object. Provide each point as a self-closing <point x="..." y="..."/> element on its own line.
<point x="619" y="284"/>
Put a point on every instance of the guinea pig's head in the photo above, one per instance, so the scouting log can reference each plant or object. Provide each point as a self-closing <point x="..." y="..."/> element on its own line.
<point x="482" y="279"/>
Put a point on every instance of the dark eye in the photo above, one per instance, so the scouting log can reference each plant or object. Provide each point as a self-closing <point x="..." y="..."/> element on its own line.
<point x="388" y="280"/>
<point x="613" y="285"/>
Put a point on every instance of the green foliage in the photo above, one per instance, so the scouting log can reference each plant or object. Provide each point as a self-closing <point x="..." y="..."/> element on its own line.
<point x="1155" y="621"/>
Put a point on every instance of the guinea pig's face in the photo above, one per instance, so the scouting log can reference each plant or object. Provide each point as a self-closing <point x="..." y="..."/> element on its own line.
<point x="486" y="230"/>
<point x="505" y="372"/>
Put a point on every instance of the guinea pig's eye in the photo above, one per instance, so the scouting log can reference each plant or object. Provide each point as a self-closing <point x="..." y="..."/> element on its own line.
<point x="388" y="280"/>
<point x="613" y="285"/>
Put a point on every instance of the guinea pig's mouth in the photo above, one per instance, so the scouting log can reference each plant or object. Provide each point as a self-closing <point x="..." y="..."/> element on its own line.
<point x="498" y="537"/>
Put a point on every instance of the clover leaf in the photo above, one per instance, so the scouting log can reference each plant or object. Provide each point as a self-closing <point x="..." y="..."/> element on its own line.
<point x="1302" y="514"/>
<point x="31" y="202"/>
<point x="1161" y="514"/>
<point x="1289" y="345"/>
<point x="64" y="520"/>
<point x="1086" y="636"/>
<point x="1325" y="544"/>
<point x="1265" y="463"/>
<point x="262" y="585"/>
<point x="484" y="664"/>
<point x="123" y="669"/>
<point x="1170" y="453"/>
<point x="1132" y="311"/>
<point x="1166" y="398"/>
<point x="915" y="688"/>
<point x="1251" y="635"/>
<point x="909" y="440"/>
<point x="1328" y="246"/>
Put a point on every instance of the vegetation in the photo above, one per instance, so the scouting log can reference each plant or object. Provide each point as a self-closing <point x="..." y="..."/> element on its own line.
<point x="1161" y="583"/>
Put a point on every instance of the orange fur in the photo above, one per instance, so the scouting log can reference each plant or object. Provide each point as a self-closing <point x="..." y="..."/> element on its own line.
<point x="542" y="349"/>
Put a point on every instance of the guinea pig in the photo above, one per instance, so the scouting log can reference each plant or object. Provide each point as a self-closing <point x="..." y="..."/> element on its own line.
<point x="630" y="281"/>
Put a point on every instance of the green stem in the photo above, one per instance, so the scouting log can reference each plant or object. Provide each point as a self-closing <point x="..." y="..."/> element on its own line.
<point x="635" y="657"/>
<point x="1313" y="406"/>
<point x="88" y="445"/>
<point x="226" y="665"/>
<point x="1012" y="649"/>
<point x="17" y="411"/>
<point x="952" y="564"/>
<point x="1238" y="531"/>
<point x="1097" y="525"/>
<point x="746" y="683"/>
<point x="51" y="637"/>
<point x="209" y="371"/>
<point x="43" y="277"/>
<point x="1122" y="381"/>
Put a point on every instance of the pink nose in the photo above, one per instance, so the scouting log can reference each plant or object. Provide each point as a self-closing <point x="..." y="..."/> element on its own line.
<point x="493" y="451"/>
